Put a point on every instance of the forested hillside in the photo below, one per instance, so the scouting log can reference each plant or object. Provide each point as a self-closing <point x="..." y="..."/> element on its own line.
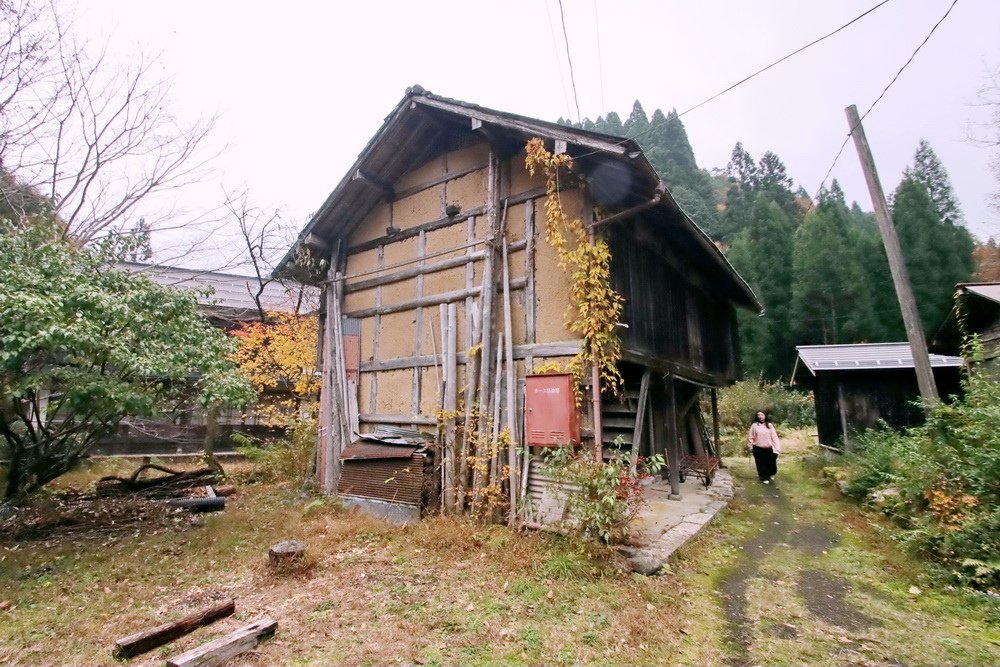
<point x="816" y="264"/>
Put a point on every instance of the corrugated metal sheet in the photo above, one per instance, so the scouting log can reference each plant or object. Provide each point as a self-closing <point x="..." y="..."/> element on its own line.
<point x="376" y="450"/>
<point x="864" y="356"/>
<point x="391" y="480"/>
<point x="545" y="495"/>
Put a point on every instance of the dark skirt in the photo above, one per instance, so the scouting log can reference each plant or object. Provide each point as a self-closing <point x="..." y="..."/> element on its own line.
<point x="767" y="462"/>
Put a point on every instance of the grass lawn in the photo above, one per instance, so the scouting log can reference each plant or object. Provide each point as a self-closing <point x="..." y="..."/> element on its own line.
<point x="449" y="592"/>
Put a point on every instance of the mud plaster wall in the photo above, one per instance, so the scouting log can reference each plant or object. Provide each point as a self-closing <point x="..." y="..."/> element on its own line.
<point x="396" y="338"/>
<point x="373" y="226"/>
<point x="425" y="173"/>
<point x="394" y="392"/>
<point x="552" y="287"/>
<point x="419" y="208"/>
<point x="397" y="331"/>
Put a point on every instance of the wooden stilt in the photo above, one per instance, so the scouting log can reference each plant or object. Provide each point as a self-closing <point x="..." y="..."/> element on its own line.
<point x="640" y="418"/>
<point x="673" y="437"/>
<point x="717" y="439"/>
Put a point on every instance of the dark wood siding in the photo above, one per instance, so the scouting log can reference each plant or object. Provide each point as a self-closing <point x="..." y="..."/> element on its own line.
<point x="873" y="395"/>
<point x="670" y="312"/>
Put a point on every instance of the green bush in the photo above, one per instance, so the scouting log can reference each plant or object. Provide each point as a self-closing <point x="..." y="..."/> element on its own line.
<point x="941" y="482"/>
<point x="288" y="459"/>
<point x="601" y="498"/>
<point x="740" y="402"/>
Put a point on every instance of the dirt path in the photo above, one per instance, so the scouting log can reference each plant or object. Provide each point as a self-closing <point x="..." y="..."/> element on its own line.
<point x="798" y="576"/>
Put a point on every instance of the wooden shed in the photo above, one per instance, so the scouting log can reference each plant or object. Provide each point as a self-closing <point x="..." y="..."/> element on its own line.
<point x="979" y="304"/>
<point x="420" y="237"/>
<point x="854" y="386"/>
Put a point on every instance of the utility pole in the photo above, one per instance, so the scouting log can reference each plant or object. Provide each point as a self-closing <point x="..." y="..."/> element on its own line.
<point x="900" y="276"/>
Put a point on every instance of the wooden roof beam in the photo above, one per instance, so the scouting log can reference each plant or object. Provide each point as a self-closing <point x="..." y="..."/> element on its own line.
<point x="373" y="181"/>
<point x="524" y="126"/>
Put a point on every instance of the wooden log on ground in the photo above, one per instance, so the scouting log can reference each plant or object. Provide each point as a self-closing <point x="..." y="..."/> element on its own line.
<point x="225" y="491"/>
<point x="199" y="504"/>
<point x="220" y="650"/>
<point x="140" y="642"/>
<point x="285" y="552"/>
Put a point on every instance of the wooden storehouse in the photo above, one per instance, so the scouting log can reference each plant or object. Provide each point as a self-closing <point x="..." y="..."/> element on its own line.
<point x="412" y="248"/>
<point x="979" y="304"/>
<point x="854" y="386"/>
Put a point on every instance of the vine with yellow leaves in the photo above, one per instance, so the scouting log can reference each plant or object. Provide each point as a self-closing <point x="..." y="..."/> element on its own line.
<point x="595" y="307"/>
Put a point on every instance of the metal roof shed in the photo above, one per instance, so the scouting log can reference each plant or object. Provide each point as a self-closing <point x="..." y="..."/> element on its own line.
<point x="856" y="385"/>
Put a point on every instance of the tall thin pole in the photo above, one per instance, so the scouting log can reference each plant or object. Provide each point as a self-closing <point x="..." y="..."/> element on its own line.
<point x="595" y="389"/>
<point x="900" y="276"/>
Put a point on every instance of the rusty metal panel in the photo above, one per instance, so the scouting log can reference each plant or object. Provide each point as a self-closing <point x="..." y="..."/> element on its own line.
<point x="352" y="356"/>
<point x="376" y="450"/>
<point x="551" y="417"/>
<point x="391" y="480"/>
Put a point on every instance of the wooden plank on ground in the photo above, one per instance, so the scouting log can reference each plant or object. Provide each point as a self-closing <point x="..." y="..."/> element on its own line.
<point x="140" y="642"/>
<point x="220" y="650"/>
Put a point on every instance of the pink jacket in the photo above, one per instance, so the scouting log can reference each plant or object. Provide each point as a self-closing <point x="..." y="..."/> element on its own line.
<point x="764" y="435"/>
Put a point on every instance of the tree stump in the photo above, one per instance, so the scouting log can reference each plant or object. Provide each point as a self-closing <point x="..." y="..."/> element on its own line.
<point x="287" y="552"/>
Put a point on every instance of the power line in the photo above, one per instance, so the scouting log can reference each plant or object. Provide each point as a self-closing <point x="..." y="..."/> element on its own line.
<point x="569" y="58"/>
<point x="600" y="57"/>
<point x="784" y="58"/>
<point x="758" y="72"/>
<point x="555" y="54"/>
<point x="882" y="94"/>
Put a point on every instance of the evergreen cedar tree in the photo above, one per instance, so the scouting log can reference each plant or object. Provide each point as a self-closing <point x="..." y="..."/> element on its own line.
<point x="818" y="267"/>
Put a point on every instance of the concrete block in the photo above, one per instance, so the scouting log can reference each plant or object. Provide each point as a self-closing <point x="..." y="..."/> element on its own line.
<point x="701" y="518"/>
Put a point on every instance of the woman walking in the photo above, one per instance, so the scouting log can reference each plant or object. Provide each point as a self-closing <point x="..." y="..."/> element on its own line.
<point x="762" y="440"/>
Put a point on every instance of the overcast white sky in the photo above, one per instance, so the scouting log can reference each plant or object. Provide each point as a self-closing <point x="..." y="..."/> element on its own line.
<point x="301" y="86"/>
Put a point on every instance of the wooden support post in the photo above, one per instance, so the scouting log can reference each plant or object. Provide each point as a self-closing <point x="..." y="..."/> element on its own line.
<point x="340" y="366"/>
<point x="449" y="332"/>
<point x="226" y="648"/>
<point x="842" y="408"/>
<point x="418" y="329"/>
<point x="673" y="441"/>
<point x="640" y="416"/>
<point x="494" y="225"/>
<point x="332" y="395"/>
<point x="140" y="642"/>
<point x="595" y="368"/>
<point x="897" y="266"/>
<point x="489" y="283"/>
<point x="472" y="321"/>
<point x="514" y="476"/>
<point x="494" y="475"/>
<point x="716" y="437"/>
<point x="377" y="324"/>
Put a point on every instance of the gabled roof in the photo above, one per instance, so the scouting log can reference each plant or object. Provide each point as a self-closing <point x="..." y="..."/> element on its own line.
<point x="990" y="291"/>
<point x="424" y="125"/>
<point x="979" y="304"/>
<point x="232" y="294"/>
<point x="861" y="356"/>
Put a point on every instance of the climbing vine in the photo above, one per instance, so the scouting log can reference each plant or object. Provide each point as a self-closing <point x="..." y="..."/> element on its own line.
<point x="595" y="307"/>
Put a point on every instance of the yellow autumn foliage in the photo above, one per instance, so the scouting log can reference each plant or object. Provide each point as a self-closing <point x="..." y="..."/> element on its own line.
<point x="279" y="357"/>
<point x="595" y="307"/>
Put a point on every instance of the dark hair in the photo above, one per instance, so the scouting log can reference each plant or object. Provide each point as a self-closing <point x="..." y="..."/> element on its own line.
<point x="767" y="417"/>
